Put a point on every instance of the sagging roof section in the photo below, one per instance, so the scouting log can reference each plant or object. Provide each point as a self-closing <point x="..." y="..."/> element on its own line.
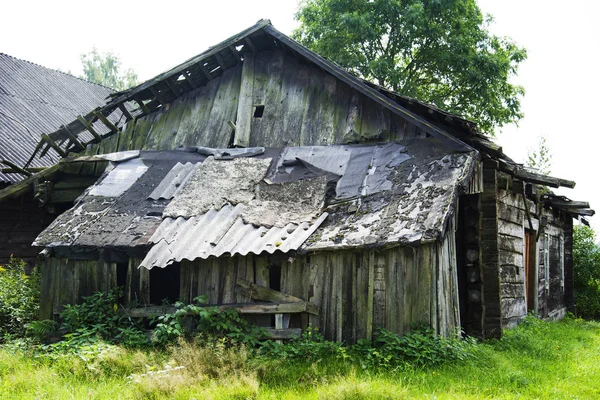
<point x="35" y="100"/>
<point x="184" y="205"/>
<point x="197" y="71"/>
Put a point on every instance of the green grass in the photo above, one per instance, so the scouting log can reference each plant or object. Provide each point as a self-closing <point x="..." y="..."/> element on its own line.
<point x="538" y="360"/>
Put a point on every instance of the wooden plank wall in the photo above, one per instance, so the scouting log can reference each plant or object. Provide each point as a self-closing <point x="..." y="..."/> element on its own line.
<point x="356" y="291"/>
<point x="303" y="105"/>
<point x="68" y="281"/>
<point x="21" y="220"/>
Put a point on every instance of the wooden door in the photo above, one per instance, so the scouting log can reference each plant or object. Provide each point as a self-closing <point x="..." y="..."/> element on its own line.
<point x="530" y="270"/>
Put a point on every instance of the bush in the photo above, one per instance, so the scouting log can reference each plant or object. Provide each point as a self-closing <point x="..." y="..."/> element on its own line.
<point x="19" y="297"/>
<point x="420" y="347"/>
<point x="586" y="278"/>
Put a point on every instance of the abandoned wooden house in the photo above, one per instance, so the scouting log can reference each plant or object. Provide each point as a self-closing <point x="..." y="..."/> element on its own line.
<point x="274" y="182"/>
<point x="34" y="100"/>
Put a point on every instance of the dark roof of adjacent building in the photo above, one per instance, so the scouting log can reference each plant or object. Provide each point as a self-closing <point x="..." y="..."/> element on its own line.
<point x="185" y="205"/>
<point x="35" y="100"/>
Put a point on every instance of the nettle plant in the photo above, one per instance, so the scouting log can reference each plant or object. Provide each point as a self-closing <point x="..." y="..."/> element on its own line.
<point x="205" y="324"/>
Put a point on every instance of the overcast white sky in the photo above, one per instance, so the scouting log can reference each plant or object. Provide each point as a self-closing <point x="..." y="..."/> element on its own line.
<point x="560" y="76"/>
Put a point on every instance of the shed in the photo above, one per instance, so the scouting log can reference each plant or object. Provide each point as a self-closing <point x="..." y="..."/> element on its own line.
<point x="413" y="216"/>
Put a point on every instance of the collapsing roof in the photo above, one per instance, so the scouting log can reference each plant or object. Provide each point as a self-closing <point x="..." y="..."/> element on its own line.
<point x="179" y="205"/>
<point x="35" y="100"/>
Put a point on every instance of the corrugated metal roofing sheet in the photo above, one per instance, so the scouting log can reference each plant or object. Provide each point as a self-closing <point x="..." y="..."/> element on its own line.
<point x="221" y="232"/>
<point x="36" y="100"/>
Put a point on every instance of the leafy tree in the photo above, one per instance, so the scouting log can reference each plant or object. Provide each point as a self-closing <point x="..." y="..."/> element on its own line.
<point x="586" y="278"/>
<point x="104" y="69"/>
<point x="540" y="158"/>
<point x="439" y="51"/>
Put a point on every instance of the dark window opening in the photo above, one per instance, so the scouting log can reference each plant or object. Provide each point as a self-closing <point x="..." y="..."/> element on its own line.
<point x="258" y="111"/>
<point x="122" y="278"/>
<point x="164" y="284"/>
<point x="275" y="277"/>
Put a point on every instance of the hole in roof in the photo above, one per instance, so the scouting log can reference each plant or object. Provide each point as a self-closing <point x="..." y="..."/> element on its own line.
<point x="240" y="47"/>
<point x="181" y="77"/>
<point x="258" y="111"/>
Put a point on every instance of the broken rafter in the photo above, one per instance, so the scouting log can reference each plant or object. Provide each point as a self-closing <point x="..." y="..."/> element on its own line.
<point x="125" y="112"/>
<point x="98" y="114"/>
<point x="53" y="144"/>
<point x="37" y="148"/>
<point x="89" y="127"/>
<point x="72" y="137"/>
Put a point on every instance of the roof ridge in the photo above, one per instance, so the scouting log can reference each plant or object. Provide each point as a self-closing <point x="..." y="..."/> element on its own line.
<point x="57" y="70"/>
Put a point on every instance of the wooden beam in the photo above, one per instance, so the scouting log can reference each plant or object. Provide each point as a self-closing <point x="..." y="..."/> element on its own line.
<point x="45" y="149"/>
<point x="172" y="88"/>
<point x="235" y="53"/>
<point x="125" y="112"/>
<point x="189" y="80"/>
<point x="105" y="121"/>
<point x="282" y="334"/>
<point x="19" y="188"/>
<point x="16" y="168"/>
<point x="582" y="211"/>
<point x="220" y="60"/>
<point x="263" y="293"/>
<point x="89" y="127"/>
<point x="204" y="70"/>
<point x="37" y="148"/>
<point x="158" y="95"/>
<point x="53" y="144"/>
<point x="72" y="137"/>
<point x="143" y="106"/>
<point x="33" y="170"/>
<point x="567" y="203"/>
<point x="246" y="308"/>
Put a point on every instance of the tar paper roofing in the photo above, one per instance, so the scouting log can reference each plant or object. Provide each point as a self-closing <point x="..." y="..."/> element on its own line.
<point x="35" y="100"/>
<point x="198" y="202"/>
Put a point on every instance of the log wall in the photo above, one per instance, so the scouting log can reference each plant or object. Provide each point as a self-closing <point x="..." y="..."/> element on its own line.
<point x="511" y="256"/>
<point x="553" y="230"/>
<point x="271" y="99"/>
